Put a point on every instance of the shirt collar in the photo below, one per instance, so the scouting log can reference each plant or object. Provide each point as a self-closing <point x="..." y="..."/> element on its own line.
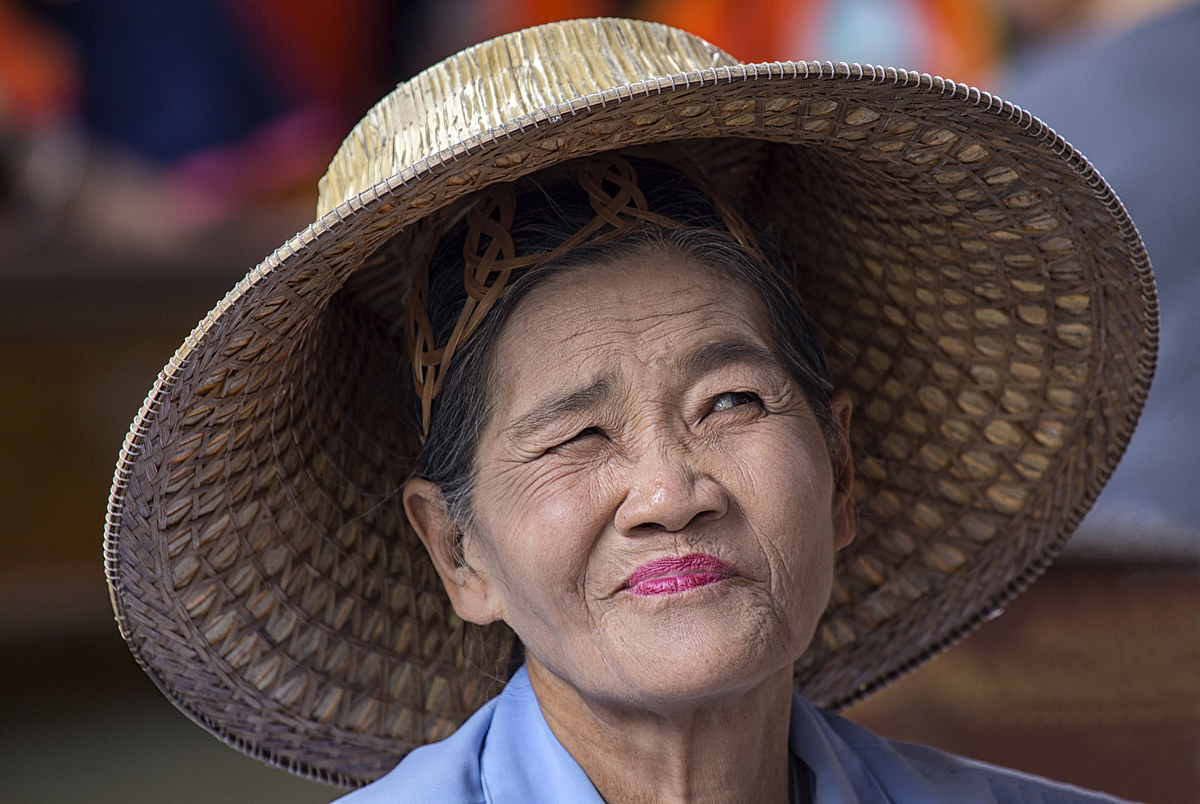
<point x="836" y="770"/>
<point x="522" y="760"/>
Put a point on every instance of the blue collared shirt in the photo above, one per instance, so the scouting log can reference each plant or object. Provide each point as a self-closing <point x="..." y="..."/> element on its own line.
<point x="506" y="754"/>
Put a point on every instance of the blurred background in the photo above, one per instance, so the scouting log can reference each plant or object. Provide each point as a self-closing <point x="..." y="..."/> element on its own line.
<point x="151" y="153"/>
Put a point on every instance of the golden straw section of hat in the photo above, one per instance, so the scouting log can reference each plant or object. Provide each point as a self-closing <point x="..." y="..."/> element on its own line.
<point x="490" y="258"/>
<point x="508" y="84"/>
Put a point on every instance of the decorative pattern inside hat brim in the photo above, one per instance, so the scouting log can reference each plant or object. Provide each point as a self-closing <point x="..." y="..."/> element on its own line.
<point x="984" y="297"/>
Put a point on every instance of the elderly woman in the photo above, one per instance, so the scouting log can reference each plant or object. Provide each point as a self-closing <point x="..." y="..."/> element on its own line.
<point x="524" y="464"/>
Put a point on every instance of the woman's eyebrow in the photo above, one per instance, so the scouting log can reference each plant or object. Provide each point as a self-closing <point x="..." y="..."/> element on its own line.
<point x="717" y="354"/>
<point x="546" y="412"/>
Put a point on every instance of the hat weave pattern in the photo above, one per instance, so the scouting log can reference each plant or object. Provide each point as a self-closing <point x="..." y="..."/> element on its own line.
<point x="983" y="295"/>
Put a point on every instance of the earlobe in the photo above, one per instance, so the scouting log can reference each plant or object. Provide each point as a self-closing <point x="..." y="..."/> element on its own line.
<point x="843" y="496"/>
<point x="470" y="592"/>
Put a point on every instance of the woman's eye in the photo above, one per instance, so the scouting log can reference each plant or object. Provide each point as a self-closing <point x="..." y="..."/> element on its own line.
<point x="733" y="399"/>
<point x="583" y="434"/>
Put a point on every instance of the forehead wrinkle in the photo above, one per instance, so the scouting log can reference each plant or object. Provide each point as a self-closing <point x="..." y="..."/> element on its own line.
<point x="546" y="412"/>
<point x="648" y="322"/>
<point x="656" y="337"/>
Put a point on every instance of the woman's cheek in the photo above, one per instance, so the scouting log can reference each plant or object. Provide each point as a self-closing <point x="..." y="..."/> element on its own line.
<point x="545" y="517"/>
<point x="567" y="492"/>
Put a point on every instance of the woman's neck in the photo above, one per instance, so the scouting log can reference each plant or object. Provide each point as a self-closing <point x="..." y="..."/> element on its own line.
<point x="729" y="750"/>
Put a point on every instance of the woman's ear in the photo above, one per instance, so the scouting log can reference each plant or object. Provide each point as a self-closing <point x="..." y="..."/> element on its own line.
<point x="843" y="472"/>
<point x="471" y="593"/>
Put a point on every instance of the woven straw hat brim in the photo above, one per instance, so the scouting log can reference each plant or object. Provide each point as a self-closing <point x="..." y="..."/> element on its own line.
<point x="984" y="296"/>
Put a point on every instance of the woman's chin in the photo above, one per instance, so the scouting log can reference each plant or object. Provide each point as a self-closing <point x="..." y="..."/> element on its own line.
<point x="681" y="656"/>
<point x="686" y="680"/>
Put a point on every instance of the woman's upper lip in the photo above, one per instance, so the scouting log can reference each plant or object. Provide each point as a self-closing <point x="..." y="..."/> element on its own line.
<point x="677" y="565"/>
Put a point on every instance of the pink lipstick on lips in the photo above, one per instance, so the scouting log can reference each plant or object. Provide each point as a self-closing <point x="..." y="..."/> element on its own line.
<point x="665" y="576"/>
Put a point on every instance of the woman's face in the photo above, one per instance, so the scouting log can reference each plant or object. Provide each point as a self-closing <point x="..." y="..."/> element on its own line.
<point x="655" y="512"/>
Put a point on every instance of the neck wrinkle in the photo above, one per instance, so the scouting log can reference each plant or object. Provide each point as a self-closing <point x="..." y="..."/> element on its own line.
<point x="717" y="752"/>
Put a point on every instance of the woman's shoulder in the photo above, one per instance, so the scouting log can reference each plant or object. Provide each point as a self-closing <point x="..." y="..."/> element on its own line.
<point x="505" y="754"/>
<point x="443" y="771"/>
<point x="903" y="772"/>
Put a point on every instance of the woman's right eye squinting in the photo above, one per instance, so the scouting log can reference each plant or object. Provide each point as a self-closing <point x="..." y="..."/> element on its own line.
<point x="582" y="435"/>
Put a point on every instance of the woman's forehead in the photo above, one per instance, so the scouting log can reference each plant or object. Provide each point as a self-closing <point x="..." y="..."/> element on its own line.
<point x="652" y="309"/>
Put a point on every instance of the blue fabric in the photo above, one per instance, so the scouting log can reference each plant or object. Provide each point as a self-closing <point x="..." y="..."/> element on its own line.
<point x="506" y="754"/>
<point x="168" y="79"/>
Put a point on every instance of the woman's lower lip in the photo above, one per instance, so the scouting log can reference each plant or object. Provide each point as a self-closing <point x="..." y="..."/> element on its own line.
<point x="675" y="583"/>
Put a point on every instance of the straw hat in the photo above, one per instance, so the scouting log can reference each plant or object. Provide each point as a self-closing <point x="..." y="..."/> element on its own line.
<point x="987" y="302"/>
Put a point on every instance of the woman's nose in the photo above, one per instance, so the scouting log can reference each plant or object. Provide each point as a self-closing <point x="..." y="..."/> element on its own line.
<point x="667" y="492"/>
